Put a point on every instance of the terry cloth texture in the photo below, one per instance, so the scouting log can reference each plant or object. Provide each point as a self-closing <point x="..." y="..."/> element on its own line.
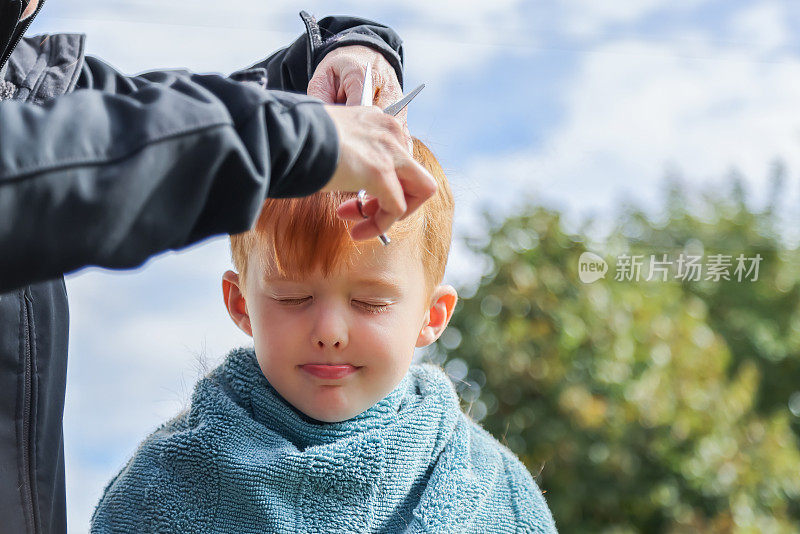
<point x="241" y="460"/>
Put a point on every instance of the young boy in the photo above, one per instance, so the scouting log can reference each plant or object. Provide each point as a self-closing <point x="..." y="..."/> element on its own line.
<point x="324" y="425"/>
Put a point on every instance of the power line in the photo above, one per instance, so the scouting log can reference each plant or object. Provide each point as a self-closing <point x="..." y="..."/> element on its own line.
<point x="743" y="52"/>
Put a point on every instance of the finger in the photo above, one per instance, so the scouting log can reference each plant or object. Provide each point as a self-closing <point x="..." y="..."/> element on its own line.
<point x="384" y="220"/>
<point x="353" y="85"/>
<point x="367" y="229"/>
<point x="417" y="186"/>
<point x="417" y="183"/>
<point x="371" y="207"/>
<point x="322" y="85"/>
<point x="353" y="98"/>
<point x="348" y="210"/>
<point x="341" y="96"/>
<point x="380" y="216"/>
<point x="391" y="200"/>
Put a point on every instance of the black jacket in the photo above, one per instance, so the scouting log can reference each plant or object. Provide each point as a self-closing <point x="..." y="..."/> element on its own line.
<point x="98" y="168"/>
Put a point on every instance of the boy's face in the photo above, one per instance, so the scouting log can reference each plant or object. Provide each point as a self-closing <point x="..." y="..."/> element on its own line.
<point x="363" y="322"/>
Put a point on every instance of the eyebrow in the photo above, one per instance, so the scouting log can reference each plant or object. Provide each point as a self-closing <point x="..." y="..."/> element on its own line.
<point x="380" y="282"/>
<point x="272" y="279"/>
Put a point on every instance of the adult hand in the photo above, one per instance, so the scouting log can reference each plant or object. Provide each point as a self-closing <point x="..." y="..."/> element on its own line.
<point x="372" y="156"/>
<point x="339" y="79"/>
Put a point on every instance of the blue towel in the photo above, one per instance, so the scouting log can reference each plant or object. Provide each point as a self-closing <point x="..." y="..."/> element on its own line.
<point x="241" y="459"/>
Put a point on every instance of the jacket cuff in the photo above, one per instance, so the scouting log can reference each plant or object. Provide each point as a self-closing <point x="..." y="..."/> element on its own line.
<point x="361" y="32"/>
<point x="311" y="167"/>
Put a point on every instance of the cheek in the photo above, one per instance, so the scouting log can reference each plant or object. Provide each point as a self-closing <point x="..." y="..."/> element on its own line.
<point x="275" y="339"/>
<point x="274" y="327"/>
<point x="390" y="335"/>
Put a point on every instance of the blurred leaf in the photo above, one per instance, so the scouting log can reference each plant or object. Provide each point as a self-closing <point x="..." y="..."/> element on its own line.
<point x="652" y="406"/>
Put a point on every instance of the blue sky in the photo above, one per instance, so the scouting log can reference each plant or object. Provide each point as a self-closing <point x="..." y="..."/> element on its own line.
<point x="575" y="104"/>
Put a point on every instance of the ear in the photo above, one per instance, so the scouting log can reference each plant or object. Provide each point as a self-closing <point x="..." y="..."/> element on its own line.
<point x="235" y="302"/>
<point x="438" y="316"/>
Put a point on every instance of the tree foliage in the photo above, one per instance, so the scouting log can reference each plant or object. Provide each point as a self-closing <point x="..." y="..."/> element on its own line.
<point x="649" y="406"/>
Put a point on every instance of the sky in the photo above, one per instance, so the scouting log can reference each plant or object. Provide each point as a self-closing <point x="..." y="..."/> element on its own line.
<point x="575" y="104"/>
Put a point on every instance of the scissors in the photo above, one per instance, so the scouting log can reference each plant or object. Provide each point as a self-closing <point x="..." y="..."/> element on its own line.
<point x="394" y="109"/>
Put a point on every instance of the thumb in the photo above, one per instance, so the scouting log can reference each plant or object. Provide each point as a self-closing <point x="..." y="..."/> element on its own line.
<point x="353" y="86"/>
<point x="353" y="97"/>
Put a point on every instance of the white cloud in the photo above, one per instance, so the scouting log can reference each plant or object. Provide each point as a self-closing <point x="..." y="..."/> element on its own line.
<point x="761" y="27"/>
<point x="635" y="109"/>
<point x="443" y="38"/>
<point x="587" y="18"/>
<point x="138" y="45"/>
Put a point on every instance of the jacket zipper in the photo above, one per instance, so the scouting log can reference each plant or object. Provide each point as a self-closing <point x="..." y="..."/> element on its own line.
<point x="27" y="417"/>
<point x="15" y="41"/>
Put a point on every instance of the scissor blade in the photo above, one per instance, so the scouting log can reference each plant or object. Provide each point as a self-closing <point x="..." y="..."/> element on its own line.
<point x="367" y="93"/>
<point x="398" y="106"/>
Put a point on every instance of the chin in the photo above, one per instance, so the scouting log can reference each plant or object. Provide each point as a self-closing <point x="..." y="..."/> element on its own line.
<point x="333" y="416"/>
<point x="331" y="419"/>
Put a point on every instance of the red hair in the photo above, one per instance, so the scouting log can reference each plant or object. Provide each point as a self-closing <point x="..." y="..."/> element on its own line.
<point x="304" y="234"/>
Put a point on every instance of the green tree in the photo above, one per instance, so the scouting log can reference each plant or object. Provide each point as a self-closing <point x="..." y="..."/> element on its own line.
<point x="649" y="406"/>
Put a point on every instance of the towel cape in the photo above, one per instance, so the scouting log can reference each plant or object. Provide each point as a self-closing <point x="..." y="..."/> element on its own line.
<point x="241" y="459"/>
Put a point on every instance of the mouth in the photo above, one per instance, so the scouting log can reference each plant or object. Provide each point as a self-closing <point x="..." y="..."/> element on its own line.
<point x="329" y="372"/>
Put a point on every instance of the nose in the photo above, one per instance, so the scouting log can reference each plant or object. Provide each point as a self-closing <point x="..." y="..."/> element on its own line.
<point x="330" y="328"/>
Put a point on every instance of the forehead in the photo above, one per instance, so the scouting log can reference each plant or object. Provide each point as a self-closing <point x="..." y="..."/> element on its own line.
<point x="370" y="264"/>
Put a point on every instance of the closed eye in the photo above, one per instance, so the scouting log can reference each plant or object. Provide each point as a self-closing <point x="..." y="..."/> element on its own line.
<point x="372" y="308"/>
<point x="290" y="302"/>
<point x="366" y="306"/>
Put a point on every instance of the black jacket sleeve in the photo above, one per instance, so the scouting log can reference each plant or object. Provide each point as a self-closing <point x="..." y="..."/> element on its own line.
<point x="292" y="67"/>
<point x="126" y="167"/>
